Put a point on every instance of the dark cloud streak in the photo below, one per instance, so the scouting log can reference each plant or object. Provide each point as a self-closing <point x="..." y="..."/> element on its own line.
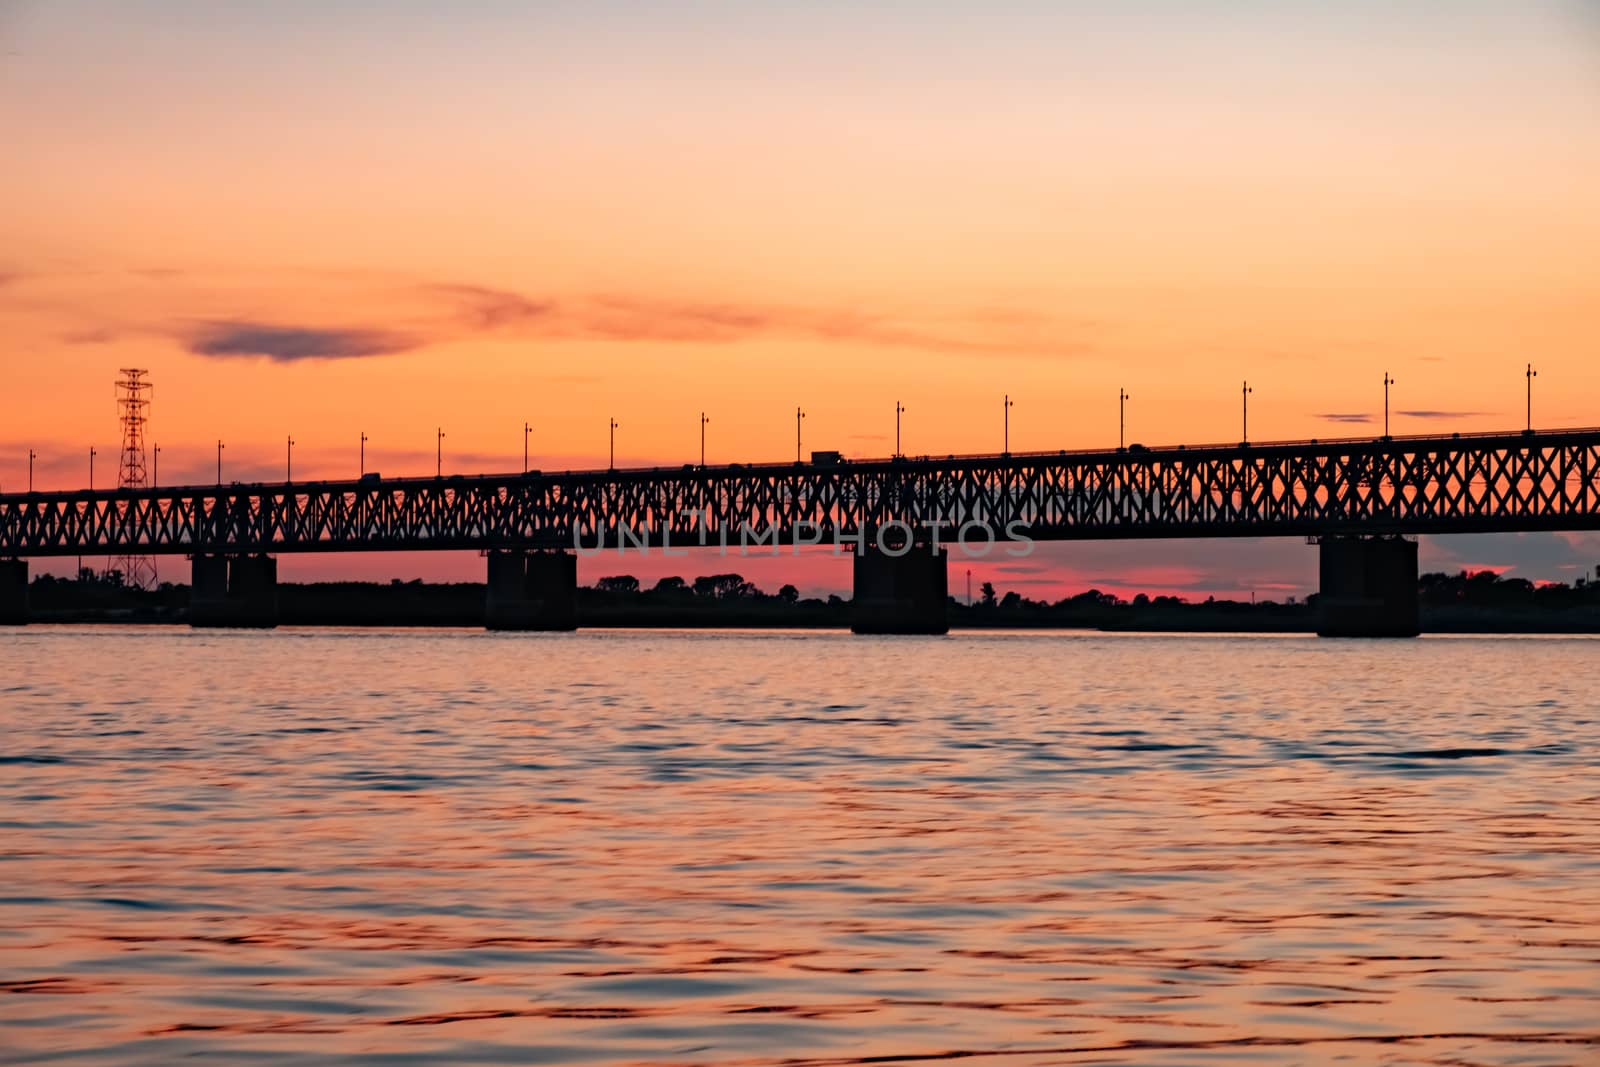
<point x="482" y="308"/>
<point x="290" y="344"/>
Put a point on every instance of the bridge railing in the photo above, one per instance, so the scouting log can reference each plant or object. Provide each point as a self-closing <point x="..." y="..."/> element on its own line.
<point x="1136" y="448"/>
<point x="1233" y="446"/>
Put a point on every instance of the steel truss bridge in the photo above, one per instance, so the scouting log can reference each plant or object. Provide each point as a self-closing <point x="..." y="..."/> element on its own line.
<point x="1457" y="483"/>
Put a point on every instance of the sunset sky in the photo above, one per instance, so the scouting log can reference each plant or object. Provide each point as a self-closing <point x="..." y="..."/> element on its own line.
<point x="323" y="219"/>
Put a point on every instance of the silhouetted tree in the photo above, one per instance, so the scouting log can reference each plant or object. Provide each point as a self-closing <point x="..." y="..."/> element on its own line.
<point x="625" y="584"/>
<point x="988" y="594"/>
<point x="788" y="594"/>
<point x="724" y="587"/>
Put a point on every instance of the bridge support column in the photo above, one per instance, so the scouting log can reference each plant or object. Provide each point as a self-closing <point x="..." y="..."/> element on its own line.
<point x="237" y="591"/>
<point x="13" y="592"/>
<point x="900" y="594"/>
<point x="532" y="591"/>
<point x="1369" y="588"/>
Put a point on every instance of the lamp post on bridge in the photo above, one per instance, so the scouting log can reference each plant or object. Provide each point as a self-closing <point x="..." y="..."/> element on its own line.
<point x="219" y="460"/>
<point x="703" y="421"/>
<point x="91" y="489"/>
<point x="798" y="415"/>
<point x="31" y="455"/>
<point x="363" y="453"/>
<point x="1247" y="391"/>
<point x="79" y="576"/>
<point x="612" y="463"/>
<point x="1123" y="396"/>
<point x="288" y="459"/>
<point x="1532" y="374"/>
<point x="1387" y="381"/>
<point x="899" y="409"/>
<point x="155" y="467"/>
<point x="526" y="430"/>
<point x="1006" y="439"/>
<point x="438" y="454"/>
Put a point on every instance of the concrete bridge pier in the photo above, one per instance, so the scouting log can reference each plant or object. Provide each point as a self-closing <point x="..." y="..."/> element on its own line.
<point x="238" y="591"/>
<point x="532" y="591"/>
<point x="13" y="592"/>
<point x="904" y="593"/>
<point x="1368" y="588"/>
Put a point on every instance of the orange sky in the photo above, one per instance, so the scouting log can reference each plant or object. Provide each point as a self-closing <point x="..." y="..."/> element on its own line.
<point x="561" y="215"/>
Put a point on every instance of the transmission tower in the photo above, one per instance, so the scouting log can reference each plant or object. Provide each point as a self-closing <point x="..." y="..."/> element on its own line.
<point x="133" y="407"/>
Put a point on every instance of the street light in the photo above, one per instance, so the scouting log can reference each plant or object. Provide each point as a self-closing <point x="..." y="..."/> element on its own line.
<point x="363" y="453"/>
<point x="31" y="455"/>
<point x="1532" y="374"/>
<point x="1009" y="404"/>
<point x="526" y="430"/>
<point x="1123" y="396"/>
<point x="798" y="415"/>
<point x="288" y="459"/>
<point x="703" y="421"/>
<point x="438" y="453"/>
<point x="220" y="446"/>
<point x="899" y="409"/>
<point x="155" y="467"/>
<point x="1387" y="381"/>
<point x="91" y="489"/>
<point x="613" y="461"/>
<point x="1247" y="391"/>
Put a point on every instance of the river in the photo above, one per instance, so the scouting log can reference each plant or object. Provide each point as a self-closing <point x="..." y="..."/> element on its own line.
<point x="454" y="847"/>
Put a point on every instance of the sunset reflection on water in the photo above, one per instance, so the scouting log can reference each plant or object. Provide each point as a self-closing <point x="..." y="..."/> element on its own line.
<point x="455" y="847"/>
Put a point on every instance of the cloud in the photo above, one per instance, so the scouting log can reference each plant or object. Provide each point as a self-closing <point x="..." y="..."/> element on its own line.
<point x="288" y="344"/>
<point x="254" y="315"/>
<point x="1444" y="414"/>
<point x="483" y="308"/>
<point x="628" y="318"/>
<point x="1022" y="568"/>
<point x="90" y="337"/>
<point x="1335" y="417"/>
<point x="1535" y="556"/>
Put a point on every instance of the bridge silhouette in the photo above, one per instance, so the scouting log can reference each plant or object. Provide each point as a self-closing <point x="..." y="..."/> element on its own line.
<point x="900" y="516"/>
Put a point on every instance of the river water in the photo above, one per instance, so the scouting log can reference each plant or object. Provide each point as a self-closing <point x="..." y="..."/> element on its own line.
<point x="454" y="847"/>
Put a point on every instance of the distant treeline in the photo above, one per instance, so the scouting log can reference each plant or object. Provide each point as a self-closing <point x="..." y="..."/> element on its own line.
<point x="1479" y="601"/>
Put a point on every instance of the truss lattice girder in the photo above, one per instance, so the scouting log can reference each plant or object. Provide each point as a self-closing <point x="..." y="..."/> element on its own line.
<point x="1505" y="482"/>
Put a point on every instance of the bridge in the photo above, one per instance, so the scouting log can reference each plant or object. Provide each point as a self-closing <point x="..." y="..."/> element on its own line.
<point x="900" y="517"/>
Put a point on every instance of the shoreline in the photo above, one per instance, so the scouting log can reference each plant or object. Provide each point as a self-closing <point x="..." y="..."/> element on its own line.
<point x="1479" y="624"/>
<point x="742" y="607"/>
